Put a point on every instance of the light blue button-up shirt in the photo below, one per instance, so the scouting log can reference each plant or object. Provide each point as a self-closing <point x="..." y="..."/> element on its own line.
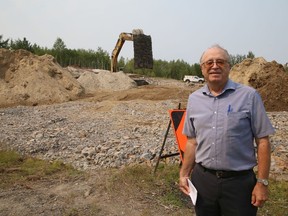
<point x="225" y="126"/>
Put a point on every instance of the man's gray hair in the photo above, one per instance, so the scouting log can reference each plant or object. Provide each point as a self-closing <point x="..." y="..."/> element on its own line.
<point x="216" y="46"/>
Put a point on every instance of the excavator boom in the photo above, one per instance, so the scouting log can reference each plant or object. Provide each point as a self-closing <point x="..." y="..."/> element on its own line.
<point x="142" y="49"/>
<point x="121" y="40"/>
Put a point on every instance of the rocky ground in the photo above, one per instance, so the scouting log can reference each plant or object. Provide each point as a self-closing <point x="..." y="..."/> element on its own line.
<point x="112" y="129"/>
<point x="98" y="121"/>
<point x="109" y="130"/>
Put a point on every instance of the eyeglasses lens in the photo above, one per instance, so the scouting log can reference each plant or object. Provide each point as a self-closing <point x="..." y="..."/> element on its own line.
<point x="210" y="63"/>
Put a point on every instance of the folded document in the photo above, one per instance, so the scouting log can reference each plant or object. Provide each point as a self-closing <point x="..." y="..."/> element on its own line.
<point x="192" y="192"/>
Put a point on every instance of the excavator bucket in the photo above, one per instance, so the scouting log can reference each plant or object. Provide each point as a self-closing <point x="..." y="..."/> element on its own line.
<point x="142" y="49"/>
<point x="143" y="57"/>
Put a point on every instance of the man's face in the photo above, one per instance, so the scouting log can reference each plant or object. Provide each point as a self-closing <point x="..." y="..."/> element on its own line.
<point x="215" y="67"/>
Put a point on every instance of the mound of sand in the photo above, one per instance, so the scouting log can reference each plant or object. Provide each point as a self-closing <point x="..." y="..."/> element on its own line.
<point x="268" y="78"/>
<point x="96" y="80"/>
<point x="27" y="79"/>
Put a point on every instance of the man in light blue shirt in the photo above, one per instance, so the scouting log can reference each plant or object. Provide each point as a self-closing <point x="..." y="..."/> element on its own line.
<point x="223" y="121"/>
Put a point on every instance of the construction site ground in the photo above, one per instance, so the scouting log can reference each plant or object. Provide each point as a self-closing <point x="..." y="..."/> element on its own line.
<point x="92" y="194"/>
<point x="57" y="113"/>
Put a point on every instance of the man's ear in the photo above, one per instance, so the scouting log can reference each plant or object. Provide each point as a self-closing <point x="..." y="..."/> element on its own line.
<point x="201" y="70"/>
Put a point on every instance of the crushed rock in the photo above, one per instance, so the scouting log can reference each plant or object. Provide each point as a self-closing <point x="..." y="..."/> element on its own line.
<point x="105" y="80"/>
<point x="129" y="132"/>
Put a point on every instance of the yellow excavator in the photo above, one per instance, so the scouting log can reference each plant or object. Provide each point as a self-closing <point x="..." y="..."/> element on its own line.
<point x="142" y="49"/>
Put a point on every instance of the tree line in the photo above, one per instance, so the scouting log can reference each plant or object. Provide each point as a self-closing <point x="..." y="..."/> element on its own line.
<point x="64" y="56"/>
<point x="100" y="59"/>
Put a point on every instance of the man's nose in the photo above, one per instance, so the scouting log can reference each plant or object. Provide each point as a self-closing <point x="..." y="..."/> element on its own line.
<point x="215" y="64"/>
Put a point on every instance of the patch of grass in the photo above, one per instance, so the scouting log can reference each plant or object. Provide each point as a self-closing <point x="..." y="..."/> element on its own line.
<point x="134" y="181"/>
<point x="15" y="168"/>
<point x="169" y="176"/>
<point x="163" y="186"/>
<point x="9" y="158"/>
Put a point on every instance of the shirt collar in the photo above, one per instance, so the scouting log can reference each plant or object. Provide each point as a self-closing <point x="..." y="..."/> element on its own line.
<point x="230" y="85"/>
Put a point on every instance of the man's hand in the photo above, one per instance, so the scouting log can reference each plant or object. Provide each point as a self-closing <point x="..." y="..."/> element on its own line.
<point x="183" y="185"/>
<point x="259" y="195"/>
<point x="188" y="164"/>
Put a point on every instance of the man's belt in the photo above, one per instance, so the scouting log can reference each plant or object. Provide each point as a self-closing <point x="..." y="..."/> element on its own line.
<point x="226" y="174"/>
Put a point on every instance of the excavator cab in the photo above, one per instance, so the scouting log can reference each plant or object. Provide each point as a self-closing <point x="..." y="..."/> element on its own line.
<point x="142" y="45"/>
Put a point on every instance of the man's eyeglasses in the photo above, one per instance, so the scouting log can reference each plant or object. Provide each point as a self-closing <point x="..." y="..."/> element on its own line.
<point x="210" y="63"/>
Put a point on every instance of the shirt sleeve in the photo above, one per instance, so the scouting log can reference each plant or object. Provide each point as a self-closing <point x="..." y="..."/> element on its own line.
<point x="261" y="125"/>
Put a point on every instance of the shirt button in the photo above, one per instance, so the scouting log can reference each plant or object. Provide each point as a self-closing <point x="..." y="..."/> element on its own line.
<point x="215" y="112"/>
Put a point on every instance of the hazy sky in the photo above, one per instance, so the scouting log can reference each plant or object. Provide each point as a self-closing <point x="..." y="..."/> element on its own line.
<point x="180" y="29"/>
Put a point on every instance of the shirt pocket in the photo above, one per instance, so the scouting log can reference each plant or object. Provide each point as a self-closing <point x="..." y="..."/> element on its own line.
<point x="238" y="123"/>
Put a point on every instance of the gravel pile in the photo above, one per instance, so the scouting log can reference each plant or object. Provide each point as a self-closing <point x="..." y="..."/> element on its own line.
<point x="81" y="134"/>
<point x="90" y="135"/>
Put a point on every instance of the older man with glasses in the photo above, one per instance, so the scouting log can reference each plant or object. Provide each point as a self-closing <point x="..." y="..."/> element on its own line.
<point x="228" y="135"/>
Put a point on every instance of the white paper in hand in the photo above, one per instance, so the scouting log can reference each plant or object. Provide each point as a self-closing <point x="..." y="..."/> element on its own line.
<point x="192" y="192"/>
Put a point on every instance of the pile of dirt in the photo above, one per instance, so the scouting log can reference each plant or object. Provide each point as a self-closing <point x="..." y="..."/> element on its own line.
<point x="93" y="80"/>
<point x="268" y="78"/>
<point x="28" y="79"/>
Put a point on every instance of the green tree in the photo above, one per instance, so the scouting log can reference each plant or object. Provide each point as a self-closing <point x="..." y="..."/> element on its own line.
<point x="236" y="59"/>
<point x="196" y="70"/>
<point x="58" y="51"/>
<point x="161" y="68"/>
<point x="21" y="44"/>
<point x="40" y="50"/>
<point x="250" y="55"/>
<point x="59" y="45"/>
<point x="178" y="69"/>
<point x="129" y="66"/>
<point x="121" y="63"/>
<point x="4" y="43"/>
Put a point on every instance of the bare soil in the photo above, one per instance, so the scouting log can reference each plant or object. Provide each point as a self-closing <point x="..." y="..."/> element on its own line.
<point x="31" y="80"/>
<point x="92" y="194"/>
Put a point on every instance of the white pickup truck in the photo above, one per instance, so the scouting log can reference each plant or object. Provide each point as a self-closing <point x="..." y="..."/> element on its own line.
<point x="190" y="78"/>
